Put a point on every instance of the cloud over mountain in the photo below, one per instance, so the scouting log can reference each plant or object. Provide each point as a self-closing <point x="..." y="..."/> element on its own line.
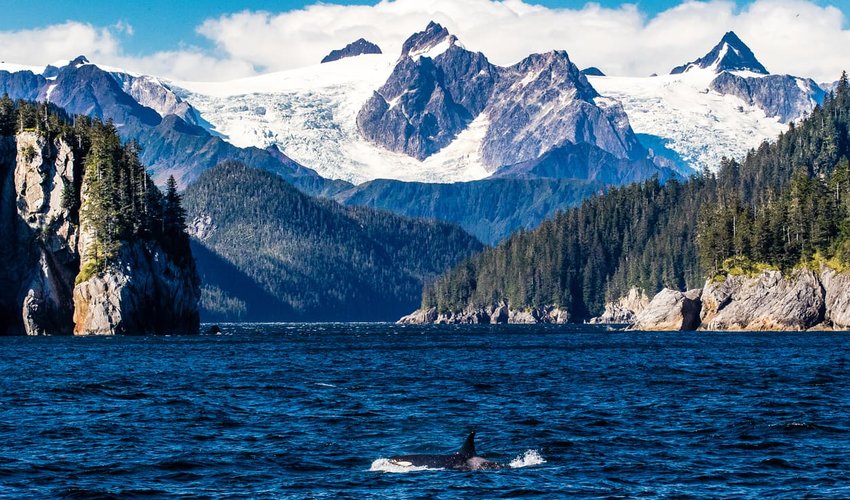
<point x="789" y="36"/>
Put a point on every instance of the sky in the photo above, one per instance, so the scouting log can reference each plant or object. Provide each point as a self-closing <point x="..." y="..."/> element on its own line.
<point x="226" y="39"/>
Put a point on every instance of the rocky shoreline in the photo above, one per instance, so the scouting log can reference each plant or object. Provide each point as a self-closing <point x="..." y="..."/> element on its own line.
<point x="770" y="301"/>
<point x="494" y="315"/>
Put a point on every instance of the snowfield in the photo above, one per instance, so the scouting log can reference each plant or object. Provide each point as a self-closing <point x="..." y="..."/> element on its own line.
<point x="700" y="125"/>
<point x="310" y="114"/>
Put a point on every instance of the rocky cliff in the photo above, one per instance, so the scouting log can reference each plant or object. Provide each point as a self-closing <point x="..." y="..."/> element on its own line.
<point x="143" y="291"/>
<point x="770" y="301"/>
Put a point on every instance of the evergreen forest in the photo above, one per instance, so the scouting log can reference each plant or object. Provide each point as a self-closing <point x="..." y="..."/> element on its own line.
<point x="786" y="204"/>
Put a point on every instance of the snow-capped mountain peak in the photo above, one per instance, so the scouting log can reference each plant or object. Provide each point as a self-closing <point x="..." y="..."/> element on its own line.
<point x="430" y="43"/>
<point x="731" y="54"/>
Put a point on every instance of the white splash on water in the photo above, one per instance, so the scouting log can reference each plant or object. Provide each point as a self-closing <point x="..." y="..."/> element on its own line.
<point x="527" y="459"/>
<point x="387" y="465"/>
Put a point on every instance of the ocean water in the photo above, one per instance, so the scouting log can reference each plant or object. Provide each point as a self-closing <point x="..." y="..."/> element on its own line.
<point x="310" y="411"/>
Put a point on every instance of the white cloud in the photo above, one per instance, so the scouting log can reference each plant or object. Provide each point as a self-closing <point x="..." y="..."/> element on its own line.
<point x="788" y="36"/>
<point x="43" y="46"/>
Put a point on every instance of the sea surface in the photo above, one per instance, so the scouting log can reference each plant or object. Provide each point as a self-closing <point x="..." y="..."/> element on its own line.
<point x="310" y="411"/>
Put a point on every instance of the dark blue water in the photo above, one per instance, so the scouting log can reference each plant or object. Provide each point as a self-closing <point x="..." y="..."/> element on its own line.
<point x="303" y="411"/>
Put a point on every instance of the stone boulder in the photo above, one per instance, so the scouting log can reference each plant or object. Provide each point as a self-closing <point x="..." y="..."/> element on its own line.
<point x="671" y="310"/>
<point x="496" y="314"/>
<point x="420" y="317"/>
<point x="767" y="302"/>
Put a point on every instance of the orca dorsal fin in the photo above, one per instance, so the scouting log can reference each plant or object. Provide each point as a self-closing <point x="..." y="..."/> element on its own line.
<point x="467" y="451"/>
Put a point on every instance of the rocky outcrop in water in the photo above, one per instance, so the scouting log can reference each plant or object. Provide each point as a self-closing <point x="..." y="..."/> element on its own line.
<point x="769" y="301"/>
<point x="38" y="247"/>
<point x="671" y="310"/>
<point x="143" y="292"/>
<point x="625" y="310"/>
<point x="493" y="315"/>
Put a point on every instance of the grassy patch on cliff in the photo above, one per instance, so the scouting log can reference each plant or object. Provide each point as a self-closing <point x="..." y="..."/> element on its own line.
<point x="89" y="269"/>
<point x="741" y="266"/>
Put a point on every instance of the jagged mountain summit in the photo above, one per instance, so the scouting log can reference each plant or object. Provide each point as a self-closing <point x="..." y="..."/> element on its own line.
<point x="723" y="104"/>
<point x="353" y="49"/>
<point x="731" y="54"/>
<point x="439" y="89"/>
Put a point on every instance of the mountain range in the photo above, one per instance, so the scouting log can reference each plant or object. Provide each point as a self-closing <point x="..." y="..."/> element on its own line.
<point x="437" y="131"/>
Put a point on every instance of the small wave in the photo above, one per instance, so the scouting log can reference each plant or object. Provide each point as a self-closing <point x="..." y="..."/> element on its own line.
<point x="322" y="384"/>
<point x="527" y="459"/>
<point x="387" y="465"/>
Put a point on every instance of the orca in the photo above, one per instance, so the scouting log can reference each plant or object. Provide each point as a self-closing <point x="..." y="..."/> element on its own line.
<point x="465" y="459"/>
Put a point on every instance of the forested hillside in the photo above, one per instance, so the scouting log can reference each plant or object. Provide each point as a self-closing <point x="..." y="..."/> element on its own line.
<point x="780" y="205"/>
<point x="268" y="252"/>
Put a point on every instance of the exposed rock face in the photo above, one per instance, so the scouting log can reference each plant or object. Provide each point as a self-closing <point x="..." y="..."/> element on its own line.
<point x="671" y="310"/>
<point x="353" y="49"/>
<point x="543" y="102"/>
<point x="836" y="287"/>
<point x="39" y="237"/>
<point x="731" y="54"/>
<point x="493" y="315"/>
<point x="783" y="96"/>
<point x="592" y="71"/>
<point x="435" y="91"/>
<point x="40" y="182"/>
<point x="153" y="93"/>
<point x="530" y="109"/>
<point x="145" y="293"/>
<point x="420" y="317"/>
<point x="768" y="302"/>
<point x="625" y="310"/>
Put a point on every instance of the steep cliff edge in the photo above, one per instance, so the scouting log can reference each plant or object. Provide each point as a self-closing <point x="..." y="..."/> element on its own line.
<point x="142" y="285"/>
<point x="144" y="293"/>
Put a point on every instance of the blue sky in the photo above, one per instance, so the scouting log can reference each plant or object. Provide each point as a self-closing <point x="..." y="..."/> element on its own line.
<point x="168" y="24"/>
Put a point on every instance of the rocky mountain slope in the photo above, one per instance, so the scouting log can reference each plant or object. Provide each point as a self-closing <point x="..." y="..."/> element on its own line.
<point x="61" y="276"/>
<point x="436" y="113"/>
<point x="147" y="110"/>
<point x="267" y="252"/>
